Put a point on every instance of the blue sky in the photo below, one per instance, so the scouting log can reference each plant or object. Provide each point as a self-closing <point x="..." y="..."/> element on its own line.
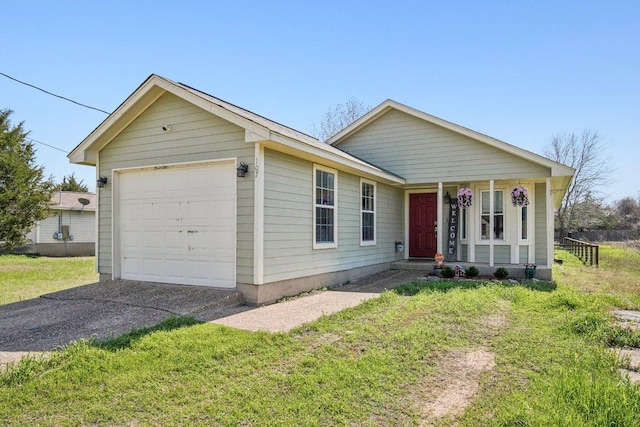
<point x="518" y="71"/>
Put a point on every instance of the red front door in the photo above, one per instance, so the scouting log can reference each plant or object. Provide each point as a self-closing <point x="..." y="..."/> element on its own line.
<point x="422" y="224"/>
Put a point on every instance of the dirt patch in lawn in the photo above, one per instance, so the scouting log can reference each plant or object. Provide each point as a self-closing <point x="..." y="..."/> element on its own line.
<point x="13" y="357"/>
<point x="459" y="373"/>
<point x="458" y="382"/>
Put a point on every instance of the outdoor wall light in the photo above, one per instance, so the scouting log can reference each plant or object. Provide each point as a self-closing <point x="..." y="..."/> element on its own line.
<point x="242" y="169"/>
<point x="447" y="198"/>
<point x="101" y="182"/>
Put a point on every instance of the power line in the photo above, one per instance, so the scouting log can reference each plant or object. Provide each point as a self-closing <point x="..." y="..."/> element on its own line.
<point x="50" y="146"/>
<point x="53" y="94"/>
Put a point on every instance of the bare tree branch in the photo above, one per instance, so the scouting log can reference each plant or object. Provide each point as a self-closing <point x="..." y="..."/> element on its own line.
<point x="584" y="153"/>
<point x="338" y="118"/>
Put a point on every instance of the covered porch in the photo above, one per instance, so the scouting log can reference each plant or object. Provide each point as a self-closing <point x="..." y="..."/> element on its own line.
<point x="491" y="232"/>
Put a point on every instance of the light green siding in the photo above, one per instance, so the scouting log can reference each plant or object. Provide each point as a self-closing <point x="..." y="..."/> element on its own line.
<point x="541" y="224"/>
<point x="196" y="135"/>
<point x="524" y="254"/>
<point x="288" y="222"/>
<point x="502" y="254"/>
<point x="423" y="152"/>
<point x="482" y="254"/>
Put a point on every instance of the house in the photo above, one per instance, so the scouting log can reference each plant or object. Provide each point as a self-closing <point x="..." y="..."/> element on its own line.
<point x="200" y="191"/>
<point x="69" y="231"/>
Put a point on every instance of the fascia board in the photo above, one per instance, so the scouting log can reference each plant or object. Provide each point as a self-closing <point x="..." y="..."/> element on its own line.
<point x="127" y="112"/>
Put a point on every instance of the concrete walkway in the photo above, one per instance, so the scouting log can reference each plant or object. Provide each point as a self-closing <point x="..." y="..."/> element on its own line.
<point x="286" y="315"/>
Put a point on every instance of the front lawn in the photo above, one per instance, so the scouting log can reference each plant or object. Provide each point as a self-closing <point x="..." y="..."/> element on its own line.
<point x="387" y="362"/>
<point x="24" y="277"/>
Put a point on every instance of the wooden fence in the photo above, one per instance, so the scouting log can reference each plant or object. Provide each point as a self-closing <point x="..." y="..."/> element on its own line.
<point x="587" y="252"/>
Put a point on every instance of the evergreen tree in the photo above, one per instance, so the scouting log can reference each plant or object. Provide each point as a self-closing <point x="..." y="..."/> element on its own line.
<point x="24" y="193"/>
<point x="70" y="183"/>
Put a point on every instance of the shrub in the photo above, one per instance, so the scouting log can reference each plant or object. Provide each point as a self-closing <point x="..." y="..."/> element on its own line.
<point x="448" y="272"/>
<point x="501" y="273"/>
<point x="472" y="272"/>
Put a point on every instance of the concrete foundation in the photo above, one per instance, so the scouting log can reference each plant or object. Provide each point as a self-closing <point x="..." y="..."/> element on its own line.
<point x="271" y="292"/>
<point x="61" y="249"/>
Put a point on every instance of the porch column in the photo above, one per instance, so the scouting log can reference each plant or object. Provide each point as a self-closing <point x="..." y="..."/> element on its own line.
<point x="491" y="223"/>
<point x="440" y="221"/>
<point x="550" y="224"/>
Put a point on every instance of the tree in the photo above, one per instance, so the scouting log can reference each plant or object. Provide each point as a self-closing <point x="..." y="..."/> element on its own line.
<point x="70" y="183"/>
<point x="627" y="213"/>
<point x="584" y="153"/>
<point x="592" y="214"/>
<point x="24" y="193"/>
<point x="338" y="118"/>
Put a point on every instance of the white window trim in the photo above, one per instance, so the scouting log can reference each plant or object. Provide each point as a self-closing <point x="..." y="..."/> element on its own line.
<point x="334" y="244"/>
<point x="530" y="217"/>
<point x="505" y="219"/>
<point x="375" y="216"/>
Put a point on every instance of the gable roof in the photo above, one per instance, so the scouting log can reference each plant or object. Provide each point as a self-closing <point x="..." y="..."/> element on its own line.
<point x="257" y="129"/>
<point x="560" y="174"/>
<point x="558" y="169"/>
<point x="69" y="201"/>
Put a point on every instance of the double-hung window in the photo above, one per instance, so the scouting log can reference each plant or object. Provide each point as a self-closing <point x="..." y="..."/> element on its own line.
<point x="367" y="213"/>
<point x="325" y="183"/>
<point x="498" y="215"/>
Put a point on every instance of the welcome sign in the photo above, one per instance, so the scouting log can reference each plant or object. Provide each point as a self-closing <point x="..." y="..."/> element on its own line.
<point x="452" y="231"/>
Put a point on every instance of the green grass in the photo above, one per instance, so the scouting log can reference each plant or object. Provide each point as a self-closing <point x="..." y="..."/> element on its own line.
<point x="371" y="365"/>
<point x="24" y="277"/>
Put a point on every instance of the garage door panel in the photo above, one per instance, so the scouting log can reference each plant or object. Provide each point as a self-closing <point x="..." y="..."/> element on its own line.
<point x="182" y="227"/>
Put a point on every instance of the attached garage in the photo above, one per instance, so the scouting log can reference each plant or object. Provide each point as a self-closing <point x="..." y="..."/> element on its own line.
<point x="176" y="224"/>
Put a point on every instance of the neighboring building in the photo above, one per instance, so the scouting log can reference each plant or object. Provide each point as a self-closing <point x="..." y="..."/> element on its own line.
<point x="178" y="207"/>
<point x="70" y="231"/>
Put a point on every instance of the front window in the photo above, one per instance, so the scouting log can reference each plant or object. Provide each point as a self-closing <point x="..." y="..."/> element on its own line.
<point x="524" y="223"/>
<point x="368" y="212"/>
<point x="325" y="183"/>
<point x="463" y="224"/>
<point x="498" y="215"/>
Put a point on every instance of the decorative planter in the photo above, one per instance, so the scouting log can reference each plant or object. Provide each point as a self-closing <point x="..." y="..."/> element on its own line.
<point x="529" y="271"/>
<point x="399" y="247"/>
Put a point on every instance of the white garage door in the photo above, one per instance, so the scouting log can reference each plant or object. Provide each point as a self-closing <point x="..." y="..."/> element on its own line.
<point x="178" y="225"/>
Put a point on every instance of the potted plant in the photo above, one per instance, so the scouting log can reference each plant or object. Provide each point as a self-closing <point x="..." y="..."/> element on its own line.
<point x="519" y="196"/>
<point x="530" y="271"/>
<point x="465" y="198"/>
<point x="437" y="269"/>
<point x="399" y="246"/>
